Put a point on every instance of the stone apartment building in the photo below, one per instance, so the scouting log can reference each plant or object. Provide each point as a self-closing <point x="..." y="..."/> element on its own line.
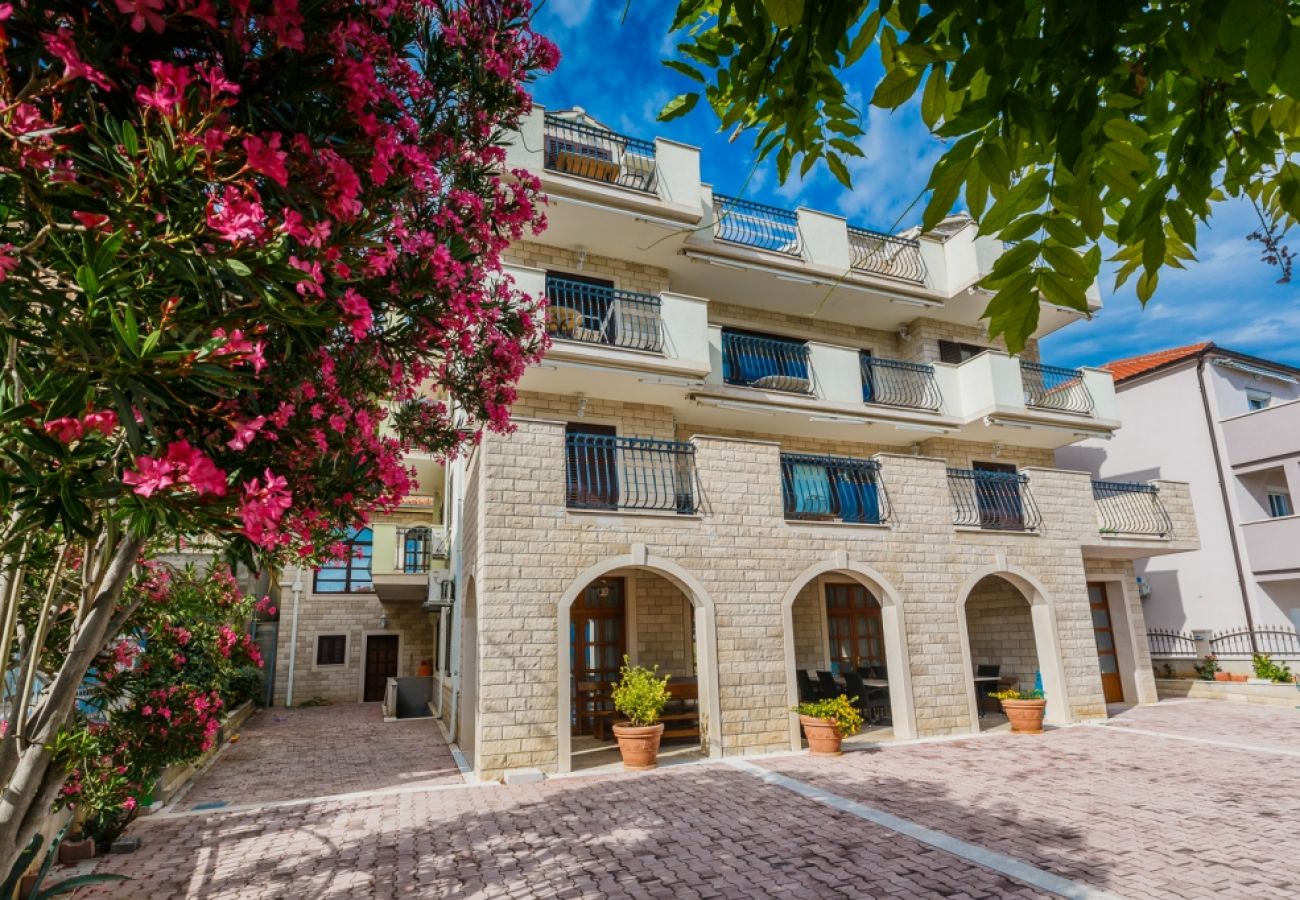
<point x="767" y="447"/>
<point x="768" y="442"/>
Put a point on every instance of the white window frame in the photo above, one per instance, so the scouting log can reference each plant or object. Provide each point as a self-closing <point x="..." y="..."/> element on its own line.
<point x="1279" y="500"/>
<point x="1257" y="399"/>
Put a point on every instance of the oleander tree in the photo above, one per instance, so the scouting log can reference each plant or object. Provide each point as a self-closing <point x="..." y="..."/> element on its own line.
<point x="1065" y="123"/>
<point x="249" y="258"/>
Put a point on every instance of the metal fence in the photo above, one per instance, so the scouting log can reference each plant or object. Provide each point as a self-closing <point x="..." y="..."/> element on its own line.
<point x="597" y="314"/>
<point x="772" y="363"/>
<point x="896" y="383"/>
<point x="998" y="501"/>
<point x="1273" y="640"/>
<point x="1054" y="387"/>
<point x="579" y="149"/>
<point x="417" y="546"/>
<point x="1171" y="644"/>
<point x="833" y="488"/>
<point x="607" y="472"/>
<point x="886" y="254"/>
<point x="1126" y="507"/>
<point x="756" y="225"/>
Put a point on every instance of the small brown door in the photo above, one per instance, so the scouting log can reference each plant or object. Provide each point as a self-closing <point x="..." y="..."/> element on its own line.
<point x="381" y="665"/>
<point x="1111" y="685"/>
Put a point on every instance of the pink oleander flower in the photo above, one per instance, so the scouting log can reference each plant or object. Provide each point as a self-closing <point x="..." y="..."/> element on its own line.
<point x="237" y="215"/>
<point x="182" y="465"/>
<point x="104" y="422"/>
<point x="358" y="311"/>
<point x="65" y="430"/>
<point x="245" y="432"/>
<point x="142" y="13"/>
<point x="266" y="157"/>
<point x="8" y="262"/>
<point x="170" y="83"/>
<point x="64" y="47"/>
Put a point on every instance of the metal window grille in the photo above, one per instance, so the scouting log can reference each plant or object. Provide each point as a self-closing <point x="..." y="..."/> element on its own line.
<point x="886" y="254"/>
<point x="895" y="383"/>
<point x="756" y="225"/>
<point x="834" y="488"/>
<point x="998" y="501"/>
<point x="417" y="546"/>
<point x="579" y="149"/>
<point x="606" y="472"/>
<point x="1054" y="387"/>
<point x="762" y="362"/>
<point x="1130" y="508"/>
<point x="596" y="314"/>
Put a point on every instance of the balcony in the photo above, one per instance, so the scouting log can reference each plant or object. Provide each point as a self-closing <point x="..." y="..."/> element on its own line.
<point x="404" y="557"/>
<point x="773" y="364"/>
<point x="992" y="501"/>
<point x="886" y="254"/>
<point x="595" y="154"/>
<point x="892" y="382"/>
<point x="1126" y="508"/>
<point x="595" y="314"/>
<point x="606" y="473"/>
<point x="756" y="225"/>
<point x="833" y="489"/>
<point x="1055" y="388"/>
<point x="1271" y="546"/>
<point x="1272" y="433"/>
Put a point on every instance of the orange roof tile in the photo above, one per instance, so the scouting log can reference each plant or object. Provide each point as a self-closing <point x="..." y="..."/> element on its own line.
<point x="1124" y="369"/>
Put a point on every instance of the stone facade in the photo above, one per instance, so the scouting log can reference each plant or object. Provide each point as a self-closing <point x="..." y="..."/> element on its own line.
<point x="1001" y="630"/>
<point x="742" y="562"/>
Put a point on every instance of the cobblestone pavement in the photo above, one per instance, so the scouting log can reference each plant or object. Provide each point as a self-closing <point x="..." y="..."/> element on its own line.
<point x="286" y="754"/>
<point x="1131" y="813"/>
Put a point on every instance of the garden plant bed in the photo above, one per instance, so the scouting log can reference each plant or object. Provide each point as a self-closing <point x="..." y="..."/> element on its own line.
<point x="1236" y="691"/>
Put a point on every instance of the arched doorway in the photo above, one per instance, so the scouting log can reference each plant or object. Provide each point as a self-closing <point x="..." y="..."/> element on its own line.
<point x="467" y="708"/>
<point x="654" y="613"/>
<point x="1008" y="633"/>
<point x="846" y="619"/>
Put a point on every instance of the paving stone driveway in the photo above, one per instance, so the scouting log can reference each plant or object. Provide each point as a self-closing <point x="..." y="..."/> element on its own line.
<point x="1112" y="808"/>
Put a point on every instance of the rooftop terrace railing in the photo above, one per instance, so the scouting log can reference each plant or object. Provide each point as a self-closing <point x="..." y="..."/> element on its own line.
<point x="1055" y="388"/>
<point x="597" y="314"/>
<point x="1131" y="508"/>
<point x="756" y="225"/>
<point x="833" y="488"/>
<point x="762" y="362"/>
<point x="886" y="254"/>
<point x="998" y="501"/>
<point x="892" y="382"/>
<point x="608" y="472"/>
<point x="579" y="149"/>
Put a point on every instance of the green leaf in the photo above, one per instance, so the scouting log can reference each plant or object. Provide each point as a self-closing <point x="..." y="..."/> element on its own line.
<point x="678" y="106"/>
<point x="685" y="68"/>
<point x="865" y="37"/>
<point x="1065" y="231"/>
<point x="1065" y="261"/>
<point x="1013" y="311"/>
<point x="1125" y="155"/>
<point x="994" y="163"/>
<point x="839" y="170"/>
<point x="130" y="140"/>
<point x="238" y="267"/>
<point x="1120" y="129"/>
<point x="1062" y="291"/>
<point x="1146" y="286"/>
<point x="784" y="13"/>
<point x="934" y="99"/>
<point x="88" y="281"/>
<point x="897" y="87"/>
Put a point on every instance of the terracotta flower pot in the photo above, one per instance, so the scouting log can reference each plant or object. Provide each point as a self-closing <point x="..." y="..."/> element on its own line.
<point x="1222" y="676"/>
<point x="1240" y="678"/>
<point x="1026" y="715"/>
<point x="824" y="738"/>
<point x="639" y="745"/>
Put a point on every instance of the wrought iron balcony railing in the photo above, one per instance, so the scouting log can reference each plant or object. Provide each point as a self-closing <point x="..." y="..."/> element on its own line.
<point x="895" y="383"/>
<point x="579" y="149"/>
<point x="1130" y="508"/>
<point x="774" y="364"/>
<point x="833" y="488"/>
<point x="596" y="314"/>
<point x="1054" y="387"/>
<point x="998" y="501"/>
<point x="606" y="472"/>
<point x="417" y="546"/>
<point x="886" y="254"/>
<point x="756" y="225"/>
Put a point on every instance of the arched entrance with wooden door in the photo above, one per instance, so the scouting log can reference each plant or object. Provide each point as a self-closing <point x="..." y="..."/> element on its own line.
<point x="844" y="619"/>
<point x="655" y="613"/>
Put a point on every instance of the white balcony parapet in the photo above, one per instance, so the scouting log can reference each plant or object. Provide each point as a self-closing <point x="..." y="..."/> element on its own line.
<point x="679" y="172"/>
<point x="825" y="239"/>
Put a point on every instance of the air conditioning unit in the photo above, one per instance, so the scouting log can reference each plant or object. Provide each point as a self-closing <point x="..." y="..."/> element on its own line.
<point x="1144" y="587"/>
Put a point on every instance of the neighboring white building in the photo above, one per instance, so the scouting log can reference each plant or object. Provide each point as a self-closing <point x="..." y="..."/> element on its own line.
<point x="1228" y="424"/>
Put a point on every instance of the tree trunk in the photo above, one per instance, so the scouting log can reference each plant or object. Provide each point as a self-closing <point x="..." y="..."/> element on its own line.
<point x="31" y="785"/>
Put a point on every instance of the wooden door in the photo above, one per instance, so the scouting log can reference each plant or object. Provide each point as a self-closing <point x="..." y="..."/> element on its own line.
<point x="853" y="625"/>
<point x="597" y="643"/>
<point x="381" y="665"/>
<point x="1111" y="685"/>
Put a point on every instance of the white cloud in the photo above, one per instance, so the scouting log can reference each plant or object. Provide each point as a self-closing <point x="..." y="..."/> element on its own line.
<point x="571" y="13"/>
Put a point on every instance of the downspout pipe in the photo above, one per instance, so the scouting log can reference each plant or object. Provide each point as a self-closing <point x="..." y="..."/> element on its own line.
<point x="1227" y="505"/>
<point x="293" y="636"/>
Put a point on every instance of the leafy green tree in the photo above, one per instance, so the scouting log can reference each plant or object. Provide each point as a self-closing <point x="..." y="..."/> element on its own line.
<point x="1066" y="123"/>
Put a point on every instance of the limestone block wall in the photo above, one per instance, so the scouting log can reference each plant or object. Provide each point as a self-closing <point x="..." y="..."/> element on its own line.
<point x="747" y="559"/>
<point x="626" y="275"/>
<point x="809" y="636"/>
<point x="1001" y="630"/>
<point x="662" y="622"/>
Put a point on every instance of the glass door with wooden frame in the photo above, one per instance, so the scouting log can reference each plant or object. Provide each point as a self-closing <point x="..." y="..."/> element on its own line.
<point x="1102" y="626"/>
<point x="854" y="627"/>
<point x="597" y="643"/>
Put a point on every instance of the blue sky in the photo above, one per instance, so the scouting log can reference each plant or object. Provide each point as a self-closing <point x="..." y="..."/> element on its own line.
<point x="613" y="71"/>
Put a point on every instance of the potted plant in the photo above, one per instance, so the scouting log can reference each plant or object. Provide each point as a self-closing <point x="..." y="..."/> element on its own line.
<point x="640" y="694"/>
<point x="1024" y="709"/>
<point x="1208" y="669"/>
<point x="827" y="722"/>
<point x="1269" y="672"/>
